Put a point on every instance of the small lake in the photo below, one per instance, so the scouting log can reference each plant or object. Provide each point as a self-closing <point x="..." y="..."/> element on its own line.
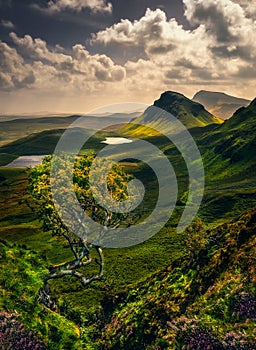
<point x="31" y="161"/>
<point x="25" y="162"/>
<point x="116" y="140"/>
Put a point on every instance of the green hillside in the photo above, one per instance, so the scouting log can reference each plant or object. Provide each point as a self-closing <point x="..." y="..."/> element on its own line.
<point x="230" y="163"/>
<point x="12" y="130"/>
<point x="19" y="128"/>
<point x="194" y="290"/>
<point x="190" y="113"/>
<point x="229" y="149"/>
<point x="44" y="142"/>
<point x="21" y="277"/>
<point x="202" y="301"/>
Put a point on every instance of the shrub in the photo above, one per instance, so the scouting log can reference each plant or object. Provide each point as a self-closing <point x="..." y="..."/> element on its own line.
<point x="198" y="338"/>
<point x="13" y="334"/>
<point x="244" y="306"/>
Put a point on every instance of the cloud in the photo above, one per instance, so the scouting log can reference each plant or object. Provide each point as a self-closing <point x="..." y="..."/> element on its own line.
<point x="220" y="17"/>
<point x="37" y="49"/>
<point x="32" y="62"/>
<point x="249" y="7"/>
<point x="219" y="50"/>
<point x="220" y="41"/>
<point x="7" y="24"/>
<point x="79" y="5"/>
<point x="152" y="32"/>
<point x="15" y="73"/>
<point x="228" y="22"/>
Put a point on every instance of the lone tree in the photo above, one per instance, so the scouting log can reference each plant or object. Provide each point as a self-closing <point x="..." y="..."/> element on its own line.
<point x="77" y="234"/>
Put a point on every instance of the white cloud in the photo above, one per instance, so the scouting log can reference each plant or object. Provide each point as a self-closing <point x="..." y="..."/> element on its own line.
<point x="79" y="5"/>
<point x="220" y="44"/>
<point x="249" y="7"/>
<point x="224" y="19"/>
<point x="7" y="24"/>
<point x="219" y="50"/>
<point x="52" y="69"/>
<point x="37" y="49"/>
<point x="15" y="73"/>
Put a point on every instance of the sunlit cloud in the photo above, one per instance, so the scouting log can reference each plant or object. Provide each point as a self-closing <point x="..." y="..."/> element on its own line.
<point x="218" y="50"/>
<point x="55" y="6"/>
<point x="7" y="24"/>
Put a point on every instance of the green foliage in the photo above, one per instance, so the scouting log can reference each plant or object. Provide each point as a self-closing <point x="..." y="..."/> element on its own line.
<point x="196" y="238"/>
<point x="22" y="272"/>
<point x="40" y="193"/>
<point x="201" y="279"/>
<point x="198" y="292"/>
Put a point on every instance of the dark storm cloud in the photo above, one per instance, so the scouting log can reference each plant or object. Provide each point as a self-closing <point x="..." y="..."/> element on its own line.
<point x="214" y="20"/>
<point x="174" y="74"/>
<point x="246" y="72"/>
<point x="161" y="49"/>
<point x="5" y="3"/>
<point x="186" y="63"/>
<point x="240" y="51"/>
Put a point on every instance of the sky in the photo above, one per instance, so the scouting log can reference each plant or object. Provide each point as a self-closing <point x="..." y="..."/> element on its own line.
<point x="71" y="56"/>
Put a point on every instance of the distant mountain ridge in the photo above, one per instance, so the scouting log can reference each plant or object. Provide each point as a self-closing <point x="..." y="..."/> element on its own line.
<point x="220" y="104"/>
<point x="14" y="129"/>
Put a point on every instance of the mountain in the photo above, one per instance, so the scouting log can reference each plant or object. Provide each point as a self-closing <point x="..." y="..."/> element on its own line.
<point x="219" y="103"/>
<point x="190" y="113"/>
<point x="229" y="158"/>
<point x="235" y="138"/>
<point x="190" y="290"/>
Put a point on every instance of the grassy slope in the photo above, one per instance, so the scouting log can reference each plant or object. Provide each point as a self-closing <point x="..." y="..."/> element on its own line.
<point x="39" y="143"/>
<point x="19" y="128"/>
<point x="22" y="271"/>
<point x="18" y="225"/>
<point x="197" y="290"/>
<point x="230" y="162"/>
<point x="140" y="262"/>
<point x="6" y="158"/>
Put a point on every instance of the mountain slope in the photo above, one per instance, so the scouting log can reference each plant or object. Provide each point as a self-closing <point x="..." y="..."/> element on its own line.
<point x="204" y="301"/>
<point x="219" y="103"/>
<point x="235" y="139"/>
<point x="190" y="113"/>
<point x="229" y="158"/>
<point x="45" y="142"/>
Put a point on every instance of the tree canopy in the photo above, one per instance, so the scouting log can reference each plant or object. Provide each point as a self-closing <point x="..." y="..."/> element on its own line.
<point x="77" y="233"/>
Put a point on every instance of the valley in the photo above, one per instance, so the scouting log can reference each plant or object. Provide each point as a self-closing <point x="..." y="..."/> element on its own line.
<point x="153" y="295"/>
